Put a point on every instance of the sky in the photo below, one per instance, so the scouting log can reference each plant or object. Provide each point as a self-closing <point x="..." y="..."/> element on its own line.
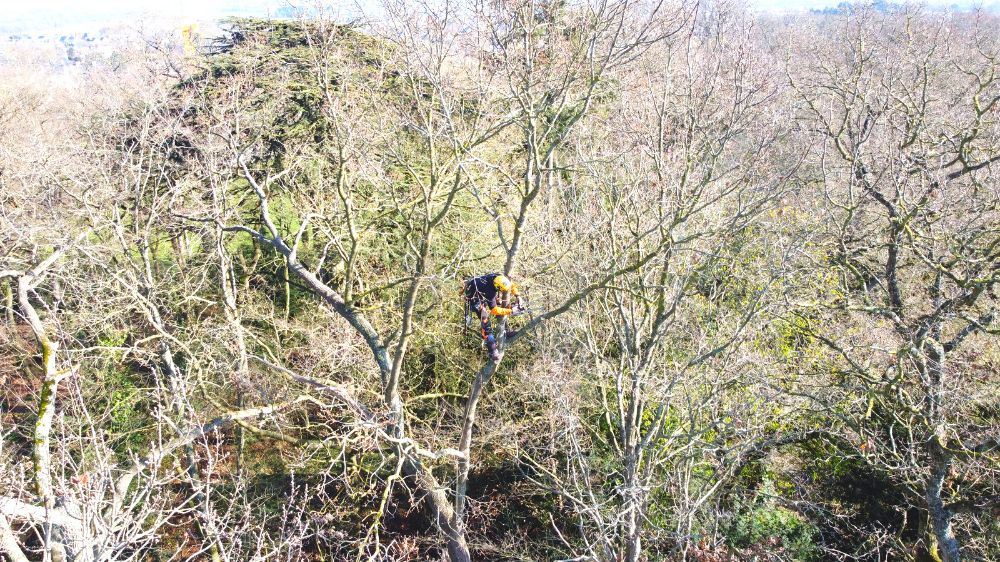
<point x="40" y="14"/>
<point x="87" y="8"/>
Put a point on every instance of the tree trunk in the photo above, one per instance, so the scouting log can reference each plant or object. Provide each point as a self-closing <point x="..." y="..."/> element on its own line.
<point x="940" y="515"/>
<point x="633" y="504"/>
<point x="444" y="514"/>
<point x="458" y="551"/>
<point x="940" y="459"/>
<point x="8" y="542"/>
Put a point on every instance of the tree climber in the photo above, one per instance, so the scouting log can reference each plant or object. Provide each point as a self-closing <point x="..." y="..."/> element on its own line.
<point x="491" y="294"/>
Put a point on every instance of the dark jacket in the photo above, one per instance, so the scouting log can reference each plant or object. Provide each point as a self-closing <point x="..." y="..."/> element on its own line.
<point x="481" y="291"/>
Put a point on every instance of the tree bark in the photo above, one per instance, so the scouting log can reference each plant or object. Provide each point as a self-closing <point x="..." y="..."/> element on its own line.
<point x="940" y="458"/>
<point x="8" y="542"/>
<point x="940" y="516"/>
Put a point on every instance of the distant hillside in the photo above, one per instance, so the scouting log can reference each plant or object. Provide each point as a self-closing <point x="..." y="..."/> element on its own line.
<point x="887" y="7"/>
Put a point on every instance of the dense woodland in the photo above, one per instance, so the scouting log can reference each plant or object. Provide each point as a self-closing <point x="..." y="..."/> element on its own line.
<point x="761" y="256"/>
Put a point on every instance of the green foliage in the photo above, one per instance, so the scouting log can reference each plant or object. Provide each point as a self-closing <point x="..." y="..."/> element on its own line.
<point x="117" y="389"/>
<point x="766" y="523"/>
<point x="728" y="278"/>
<point x="860" y="493"/>
<point x="127" y="417"/>
<point x="274" y="61"/>
<point x="793" y="335"/>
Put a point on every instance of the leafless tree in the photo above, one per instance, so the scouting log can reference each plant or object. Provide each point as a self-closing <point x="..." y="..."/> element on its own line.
<point x="904" y="107"/>
<point x="686" y="163"/>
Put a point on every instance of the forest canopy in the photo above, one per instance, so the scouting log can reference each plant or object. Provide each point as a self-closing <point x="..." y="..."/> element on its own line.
<point x="757" y="261"/>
